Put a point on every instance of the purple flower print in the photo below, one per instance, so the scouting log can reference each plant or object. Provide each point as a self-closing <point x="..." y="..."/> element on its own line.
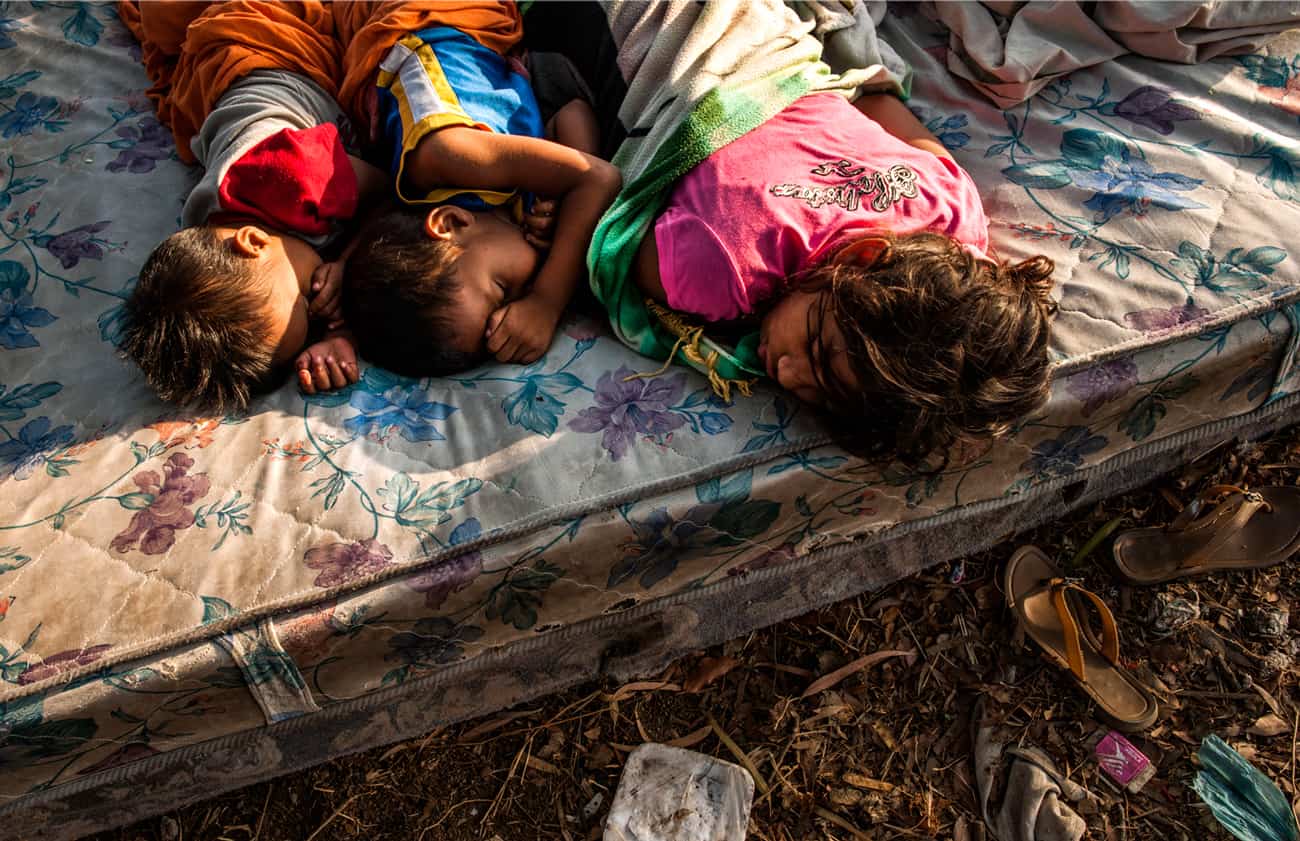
<point x="1161" y="320"/>
<point x="1155" y="108"/>
<point x="627" y="408"/>
<point x="127" y="41"/>
<point x="71" y="246"/>
<point x="61" y="662"/>
<point x="1102" y="383"/>
<point x="142" y="146"/>
<point x="165" y="504"/>
<point x="340" y="563"/>
<point x="450" y="576"/>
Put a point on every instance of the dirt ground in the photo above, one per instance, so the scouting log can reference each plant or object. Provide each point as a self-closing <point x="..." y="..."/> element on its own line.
<point x="878" y="751"/>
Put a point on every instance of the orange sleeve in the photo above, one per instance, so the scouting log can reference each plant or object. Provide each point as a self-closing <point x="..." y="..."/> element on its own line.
<point x="220" y="43"/>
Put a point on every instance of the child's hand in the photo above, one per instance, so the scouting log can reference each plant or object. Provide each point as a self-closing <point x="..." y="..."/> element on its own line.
<point x="327" y="294"/>
<point x="521" y="331"/>
<point x="329" y="364"/>
<point x="539" y="223"/>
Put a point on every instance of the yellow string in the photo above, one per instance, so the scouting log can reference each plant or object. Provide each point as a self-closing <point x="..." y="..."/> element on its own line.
<point x="688" y="342"/>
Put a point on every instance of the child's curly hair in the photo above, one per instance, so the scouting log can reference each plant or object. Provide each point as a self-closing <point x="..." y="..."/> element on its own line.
<point x="194" y="325"/>
<point x="946" y="345"/>
<point x="399" y="297"/>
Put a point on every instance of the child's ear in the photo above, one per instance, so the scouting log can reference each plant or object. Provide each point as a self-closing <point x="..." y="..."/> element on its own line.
<point x="250" y="241"/>
<point x="864" y="252"/>
<point x="446" y="221"/>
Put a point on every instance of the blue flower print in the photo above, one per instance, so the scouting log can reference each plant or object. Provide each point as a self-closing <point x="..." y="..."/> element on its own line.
<point x="17" y="313"/>
<point x="659" y="542"/>
<point x="1121" y="178"/>
<point x="8" y="25"/>
<point x="947" y="130"/>
<point x="22" y="455"/>
<point x="1061" y="456"/>
<point x="29" y="112"/>
<point x="1281" y="172"/>
<point x="390" y="402"/>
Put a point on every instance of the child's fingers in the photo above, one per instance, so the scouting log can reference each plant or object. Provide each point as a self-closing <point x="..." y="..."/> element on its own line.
<point x="495" y="319"/>
<point x="506" y="352"/>
<point x="304" y="381"/>
<point x="498" y="334"/>
<point x="350" y="369"/>
<point x="320" y="374"/>
<point x="337" y="378"/>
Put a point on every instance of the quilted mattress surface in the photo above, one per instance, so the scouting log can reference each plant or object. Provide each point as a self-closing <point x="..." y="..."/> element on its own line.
<point x="166" y="578"/>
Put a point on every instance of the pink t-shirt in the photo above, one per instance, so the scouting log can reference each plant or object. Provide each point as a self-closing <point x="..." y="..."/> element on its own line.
<point x="781" y="198"/>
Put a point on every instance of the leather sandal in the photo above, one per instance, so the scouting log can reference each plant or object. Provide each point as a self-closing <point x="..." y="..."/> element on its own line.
<point x="1247" y="530"/>
<point x="1053" y="609"/>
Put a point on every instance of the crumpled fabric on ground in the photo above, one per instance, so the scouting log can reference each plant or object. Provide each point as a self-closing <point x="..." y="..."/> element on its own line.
<point x="1009" y="50"/>
<point x="1034" y="806"/>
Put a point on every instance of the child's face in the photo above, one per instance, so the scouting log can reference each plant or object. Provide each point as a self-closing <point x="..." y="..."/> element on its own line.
<point x="284" y="264"/>
<point x="803" y="349"/>
<point x="495" y="267"/>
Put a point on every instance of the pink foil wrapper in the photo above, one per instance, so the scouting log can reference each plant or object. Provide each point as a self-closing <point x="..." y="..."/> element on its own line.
<point x="1123" y="762"/>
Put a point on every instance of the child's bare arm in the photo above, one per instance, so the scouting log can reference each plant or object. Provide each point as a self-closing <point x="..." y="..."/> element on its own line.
<point x="372" y="182"/>
<point x="584" y="185"/>
<point x="895" y="118"/>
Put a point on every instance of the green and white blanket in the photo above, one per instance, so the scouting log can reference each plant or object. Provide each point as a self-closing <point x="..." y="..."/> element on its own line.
<point x="700" y="75"/>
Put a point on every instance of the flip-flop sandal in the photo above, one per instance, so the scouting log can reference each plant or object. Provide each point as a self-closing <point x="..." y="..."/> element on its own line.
<point x="1051" y="608"/>
<point x="1248" y="530"/>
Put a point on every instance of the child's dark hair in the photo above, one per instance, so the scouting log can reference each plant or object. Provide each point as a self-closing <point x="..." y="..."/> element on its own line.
<point x="194" y="326"/>
<point x="399" y="295"/>
<point x="946" y="345"/>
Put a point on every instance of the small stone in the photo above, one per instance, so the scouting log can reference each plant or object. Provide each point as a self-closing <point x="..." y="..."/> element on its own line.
<point x="1274" y="663"/>
<point x="1267" y="622"/>
<point x="671" y="794"/>
<point x="169" y="830"/>
<point x="1170" y="614"/>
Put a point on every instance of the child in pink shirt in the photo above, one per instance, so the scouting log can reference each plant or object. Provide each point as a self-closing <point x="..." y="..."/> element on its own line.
<point x="851" y="235"/>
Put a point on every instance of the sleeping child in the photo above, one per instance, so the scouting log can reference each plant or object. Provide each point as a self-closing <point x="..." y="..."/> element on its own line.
<point x="471" y="139"/>
<point x="850" y="237"/>
<point x="223" y="307"/>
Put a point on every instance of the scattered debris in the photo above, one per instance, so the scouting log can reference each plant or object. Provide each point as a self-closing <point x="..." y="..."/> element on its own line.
<point x="884" y="751"/>
<point x="671" y="794"/>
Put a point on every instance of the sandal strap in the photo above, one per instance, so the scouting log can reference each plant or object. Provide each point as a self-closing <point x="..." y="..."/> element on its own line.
<point x="1227" y="522"/>
<point x="1196" y="507"/>
<point x="1060" y="587"/>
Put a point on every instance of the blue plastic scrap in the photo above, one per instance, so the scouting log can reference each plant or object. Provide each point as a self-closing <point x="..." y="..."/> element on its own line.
<point x="1245" y="801"/>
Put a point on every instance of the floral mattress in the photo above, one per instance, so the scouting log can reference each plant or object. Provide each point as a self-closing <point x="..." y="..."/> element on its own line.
<point x="189" y="604"/>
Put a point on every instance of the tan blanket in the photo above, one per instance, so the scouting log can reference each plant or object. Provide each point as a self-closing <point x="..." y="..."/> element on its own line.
<point x="1009" y="50"/>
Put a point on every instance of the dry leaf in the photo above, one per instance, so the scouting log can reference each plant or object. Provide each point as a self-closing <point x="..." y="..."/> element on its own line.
<point x="495" y="724"/>
<point x="707" y="671"/>
<point x="960" y="832"/>
<point x="542" y="765"/>
<point x="860" y="781"/>
<point x="627" y="690"/>
<point x="1268" y="726"/>
<point x="691" y="739"/>
<point x="824" y="683"/>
